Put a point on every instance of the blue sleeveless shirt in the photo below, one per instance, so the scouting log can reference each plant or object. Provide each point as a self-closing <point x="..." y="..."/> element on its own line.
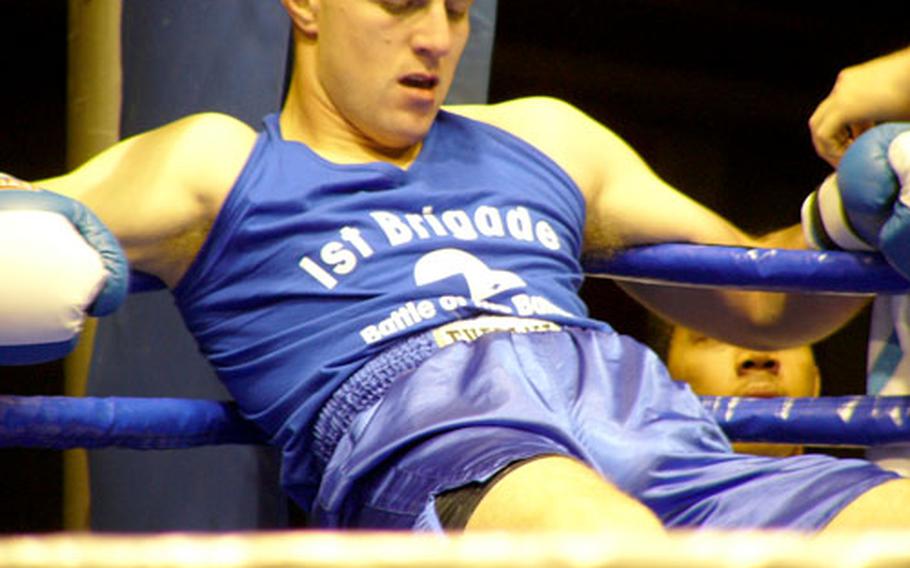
<point x="312" y="267"/>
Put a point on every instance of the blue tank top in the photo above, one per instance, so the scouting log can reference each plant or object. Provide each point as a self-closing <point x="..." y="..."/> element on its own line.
<point x="312" y="267"/>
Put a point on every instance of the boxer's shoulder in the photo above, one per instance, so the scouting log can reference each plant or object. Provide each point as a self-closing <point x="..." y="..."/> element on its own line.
<point x="211" y="150"/>
<point x="535" y="119"/>
<point x="207" y="147"/>
<point x="555" y="127"/>
<point x="196" y="158"/>
<point x="186" y="169"/>
<point x="222" y="131"/>
<point x="195" y="164"/>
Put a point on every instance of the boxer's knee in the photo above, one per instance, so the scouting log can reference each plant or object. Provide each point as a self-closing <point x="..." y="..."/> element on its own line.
<point x="556" y="493"/>
<point x="886" y="506"/>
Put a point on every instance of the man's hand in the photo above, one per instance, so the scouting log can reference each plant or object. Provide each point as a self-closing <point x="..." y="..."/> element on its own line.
<point x="863" y="95"/>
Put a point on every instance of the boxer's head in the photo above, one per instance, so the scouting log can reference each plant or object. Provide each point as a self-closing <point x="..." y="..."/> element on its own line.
<point x="714" y="368"/>
<point x="377" y="69"/>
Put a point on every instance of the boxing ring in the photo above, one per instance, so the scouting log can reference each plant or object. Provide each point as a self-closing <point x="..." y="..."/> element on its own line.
<point x="168" y="423"/>
<point x="154" y="91"/>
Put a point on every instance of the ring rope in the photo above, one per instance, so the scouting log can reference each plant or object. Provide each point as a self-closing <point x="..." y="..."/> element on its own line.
<point x="773" y="270"/>
<point x="59" y="422"/>
<point x="782" y="270"/>
<point x="845" y="421"/>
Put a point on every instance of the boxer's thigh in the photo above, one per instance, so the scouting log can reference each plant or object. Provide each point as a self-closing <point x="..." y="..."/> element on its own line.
<point x="401" y="493"/>
<point x="472" y="410"/>
<point x="885" y="506"/>
<point x="735" y="491"/>
<point x="460" y="418"/>
<point x="557" y="493"/>
<point x="653" y="439"/>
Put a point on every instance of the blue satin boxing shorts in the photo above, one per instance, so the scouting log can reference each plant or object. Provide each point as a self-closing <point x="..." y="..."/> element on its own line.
<point x="421" y="419"/>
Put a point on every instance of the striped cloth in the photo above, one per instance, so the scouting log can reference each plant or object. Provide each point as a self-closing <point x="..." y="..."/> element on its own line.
<point x="888" y="368"/>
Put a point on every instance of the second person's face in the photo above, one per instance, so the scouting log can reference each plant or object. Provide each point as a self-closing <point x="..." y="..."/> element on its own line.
<point x="715" y="368"/>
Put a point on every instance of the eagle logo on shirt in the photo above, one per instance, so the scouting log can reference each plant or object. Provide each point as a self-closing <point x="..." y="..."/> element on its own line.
<point x="483" y="282"/>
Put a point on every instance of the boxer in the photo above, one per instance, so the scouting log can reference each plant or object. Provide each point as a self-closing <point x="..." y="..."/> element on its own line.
<point x="389" y="290"/>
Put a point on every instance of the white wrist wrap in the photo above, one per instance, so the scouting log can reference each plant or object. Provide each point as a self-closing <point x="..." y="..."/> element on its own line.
<point x="899" y="159"/>
<point x="834" y="224"/>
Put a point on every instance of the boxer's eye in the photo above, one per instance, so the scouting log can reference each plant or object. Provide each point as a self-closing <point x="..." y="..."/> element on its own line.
<point x="458" y="9"/>
<point x="401" y="6"/>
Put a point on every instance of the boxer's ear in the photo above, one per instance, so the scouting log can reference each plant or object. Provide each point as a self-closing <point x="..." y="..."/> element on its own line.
<point x="304" y="15"/>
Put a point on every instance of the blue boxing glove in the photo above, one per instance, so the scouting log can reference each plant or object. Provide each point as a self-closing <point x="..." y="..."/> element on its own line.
<point x="851" y="208"/>
<point x="894" y="237"/>
<point x="59" y="264"/>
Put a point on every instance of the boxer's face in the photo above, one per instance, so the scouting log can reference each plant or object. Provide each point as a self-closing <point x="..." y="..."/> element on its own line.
<point x="719" y="369"/>
<point x="385" y="66"/>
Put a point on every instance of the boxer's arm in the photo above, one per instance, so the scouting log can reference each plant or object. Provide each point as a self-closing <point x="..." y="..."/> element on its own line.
<point x="628" y="205"/>
<point x="158" y="192"/>
<point x="759" y="320"/>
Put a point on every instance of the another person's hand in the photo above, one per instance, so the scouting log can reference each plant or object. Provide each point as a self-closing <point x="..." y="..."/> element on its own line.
<point x="863" y="95"/>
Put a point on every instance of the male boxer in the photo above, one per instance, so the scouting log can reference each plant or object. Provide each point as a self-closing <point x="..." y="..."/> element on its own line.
<point x="389" y="290"/>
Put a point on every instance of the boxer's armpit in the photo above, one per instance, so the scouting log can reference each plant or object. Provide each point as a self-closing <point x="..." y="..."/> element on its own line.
<point x="170" y="258"/>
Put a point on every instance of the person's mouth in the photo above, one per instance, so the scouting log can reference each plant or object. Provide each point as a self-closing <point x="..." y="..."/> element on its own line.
<point x="423" y="81"/>
<point x="761" y="389"/>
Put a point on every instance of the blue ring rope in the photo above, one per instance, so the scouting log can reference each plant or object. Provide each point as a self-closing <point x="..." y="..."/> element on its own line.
<point x="169" y="423"/>
<point x="781" y="270"/>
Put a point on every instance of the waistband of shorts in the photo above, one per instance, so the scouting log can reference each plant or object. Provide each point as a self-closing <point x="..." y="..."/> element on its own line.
<point x="368" y="385"/>
<point x="365" y="388"/>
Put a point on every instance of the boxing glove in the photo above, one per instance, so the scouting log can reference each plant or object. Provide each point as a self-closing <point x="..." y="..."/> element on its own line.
<point x="850" y="208"/>
<point x="59" y="264"/>
<point x="894" y="237"/>
<point x="824" y="221"/>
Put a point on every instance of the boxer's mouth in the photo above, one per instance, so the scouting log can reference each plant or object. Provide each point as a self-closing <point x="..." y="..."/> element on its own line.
<point x="419" y="81"/>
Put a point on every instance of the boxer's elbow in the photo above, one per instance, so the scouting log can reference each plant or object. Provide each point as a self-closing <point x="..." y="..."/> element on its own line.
<point x="776" y="320"/>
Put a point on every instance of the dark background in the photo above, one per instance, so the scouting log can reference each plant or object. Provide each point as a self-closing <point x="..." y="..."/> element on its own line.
<point x="32" y="146"/>
<point x="714" y="94"/>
